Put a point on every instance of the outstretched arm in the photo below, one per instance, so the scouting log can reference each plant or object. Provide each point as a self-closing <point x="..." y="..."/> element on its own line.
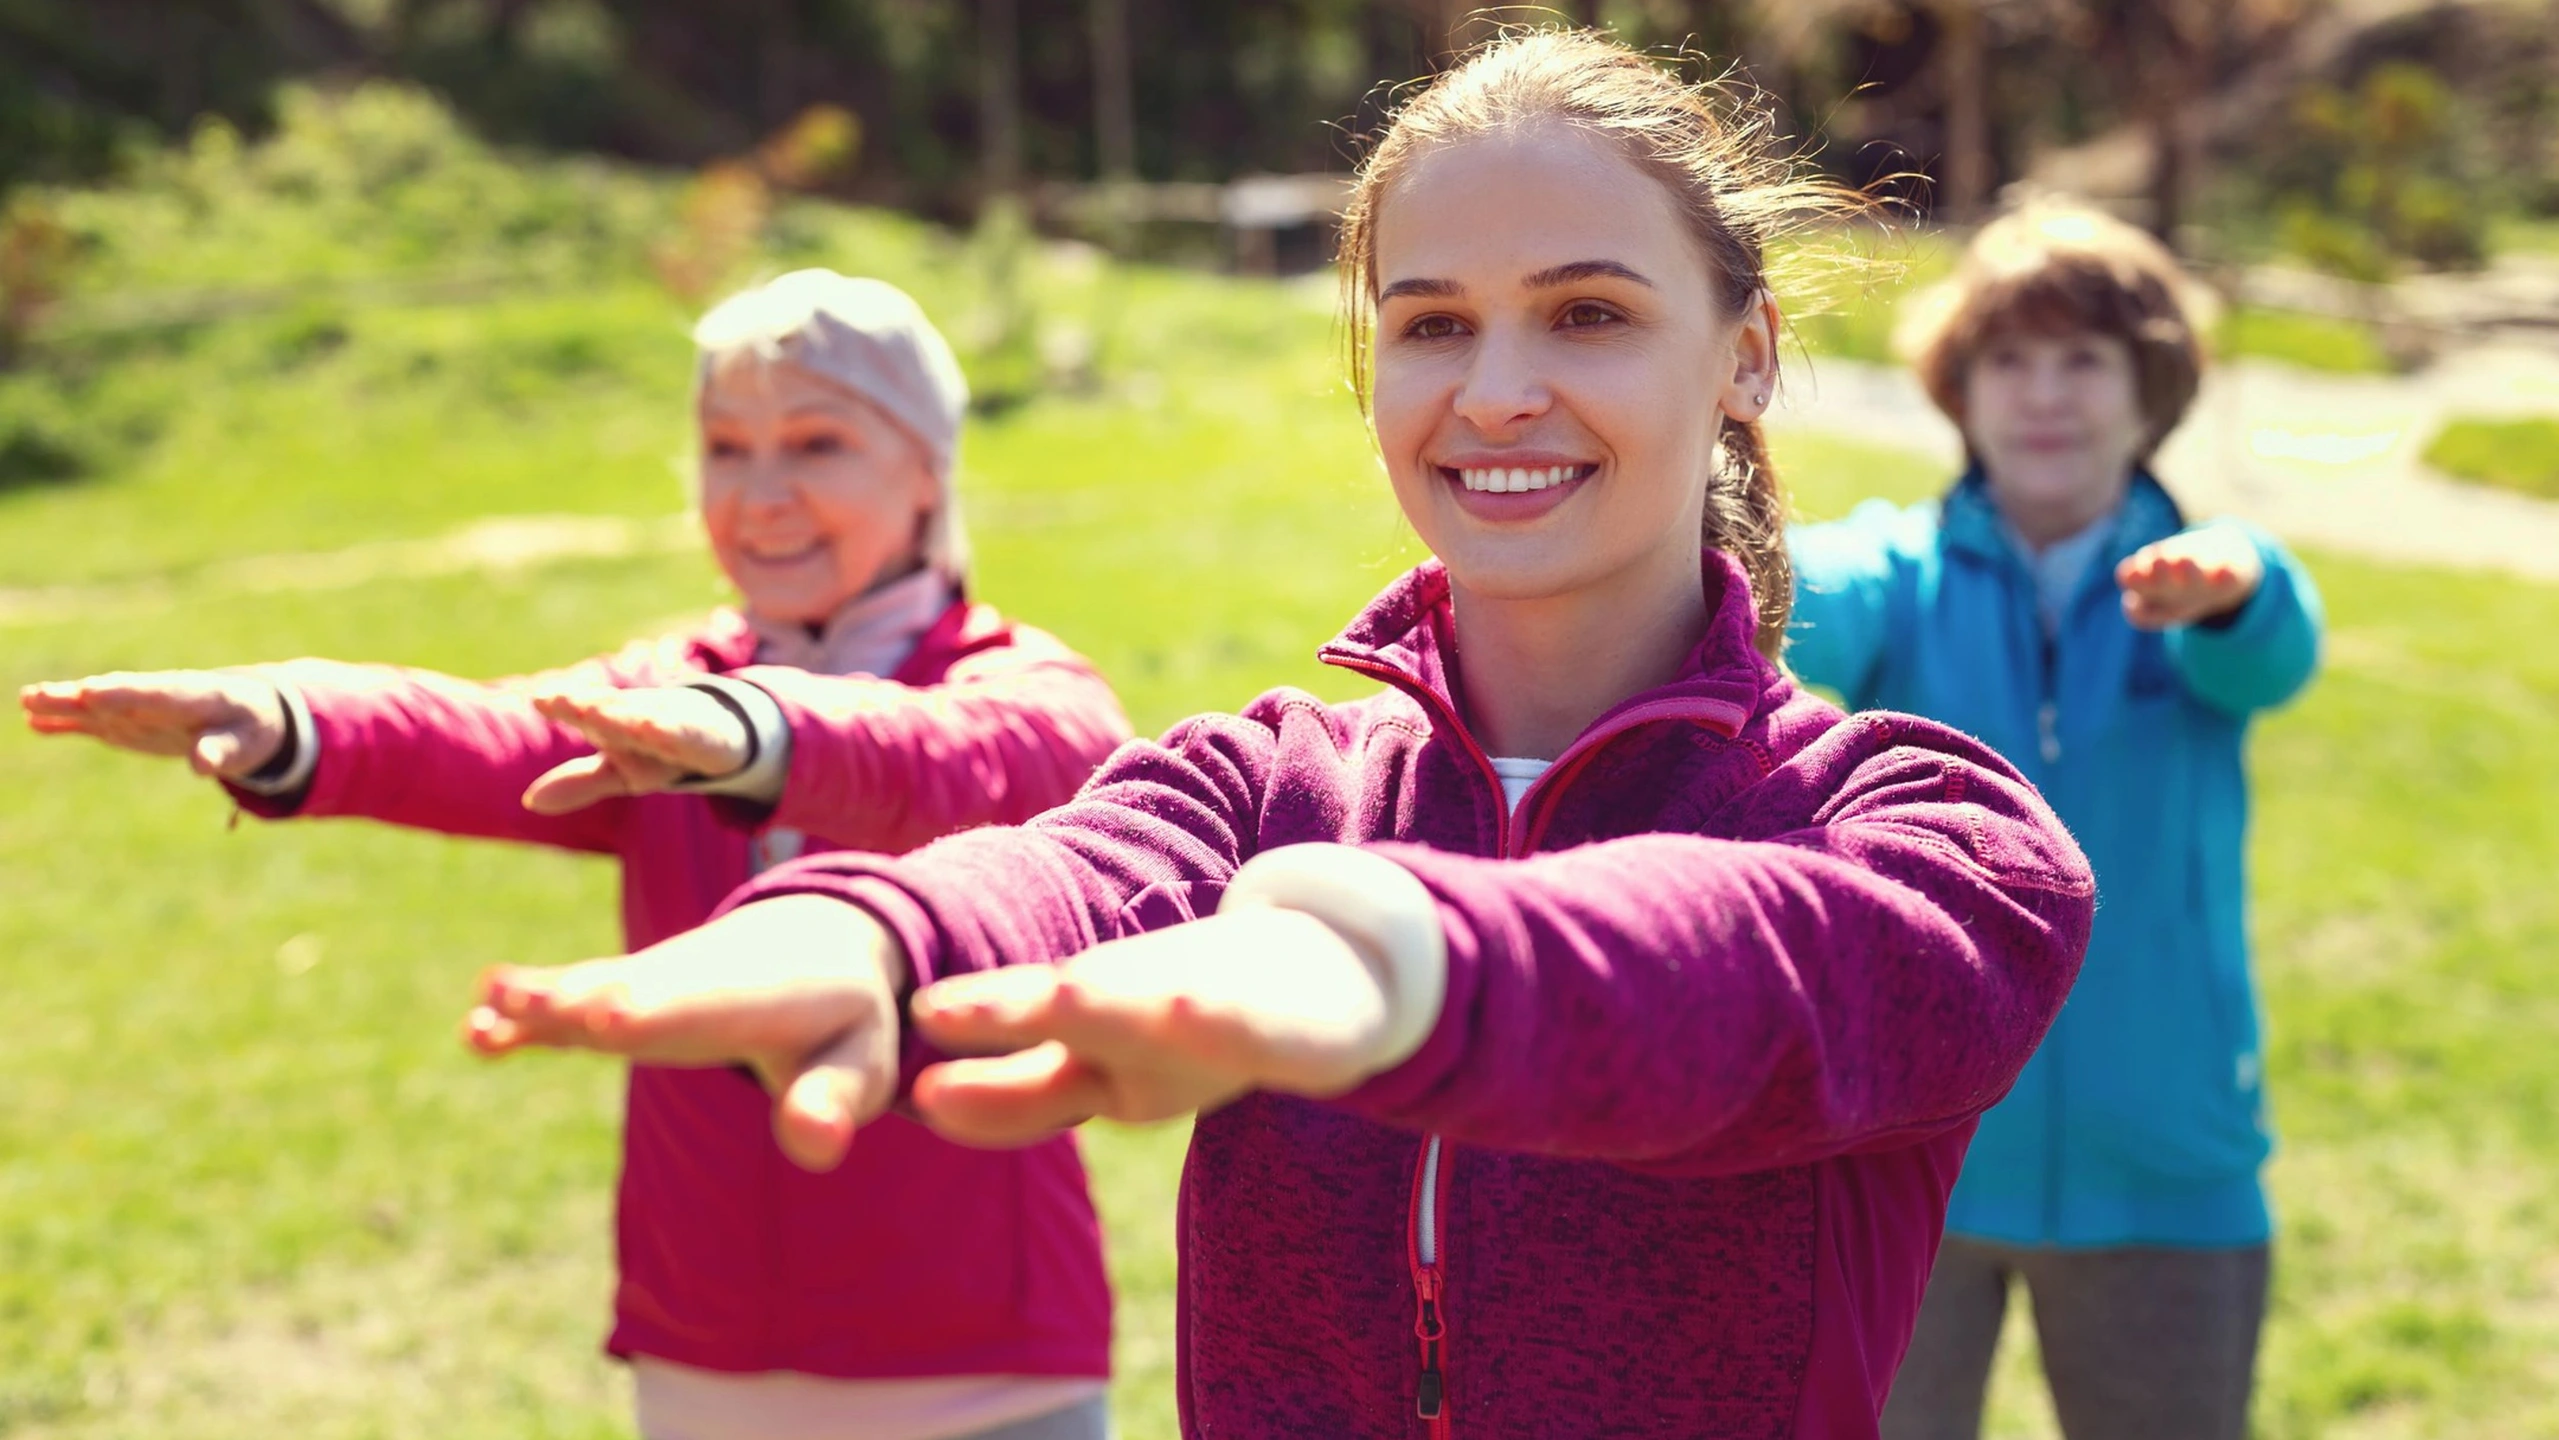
<point x="2241" y="613"/>
<point x="1879" y="970"/>
<point x="884" y="766"/>
<point x="1842" y="624"/>
<point x="1161" y="1023"/>
<point x="1876" y="972"/>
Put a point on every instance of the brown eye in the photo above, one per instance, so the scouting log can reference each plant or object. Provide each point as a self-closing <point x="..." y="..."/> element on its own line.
<point x="724" y="449"/>
<point x="1587" y="313"/>
<point x="821" y="444"/>
<point x="1433" y="327"/>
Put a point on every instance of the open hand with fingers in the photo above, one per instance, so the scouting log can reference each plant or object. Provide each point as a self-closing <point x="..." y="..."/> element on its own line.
<point x="2191" y="576"/>
<point x="225" y="725"/>
<point x="1152" y="1027"/>
<point x="645" y="740"/>
<point x="804" y="990"/>
<point x="801" y="988"/>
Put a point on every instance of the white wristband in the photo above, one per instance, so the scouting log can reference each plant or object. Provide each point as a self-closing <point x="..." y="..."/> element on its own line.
<point x="1377" y="905"/>
<point x="761" y="778"/>
<point x="306" y="745"/>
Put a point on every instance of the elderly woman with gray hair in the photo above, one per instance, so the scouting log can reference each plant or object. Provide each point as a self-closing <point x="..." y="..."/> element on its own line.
<point x="856" y="698"/>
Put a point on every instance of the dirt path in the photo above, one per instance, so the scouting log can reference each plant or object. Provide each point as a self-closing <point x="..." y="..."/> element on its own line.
<point x="504" y="542"/>
<point x="2327" y="460"/>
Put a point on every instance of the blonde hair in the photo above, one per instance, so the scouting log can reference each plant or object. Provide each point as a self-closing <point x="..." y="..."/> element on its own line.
<point x="1710" y="144"/>
<point x="2056" y="268"/>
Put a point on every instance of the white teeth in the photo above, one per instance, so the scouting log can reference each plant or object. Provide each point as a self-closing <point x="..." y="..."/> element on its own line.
<point x="1500" y="481"/>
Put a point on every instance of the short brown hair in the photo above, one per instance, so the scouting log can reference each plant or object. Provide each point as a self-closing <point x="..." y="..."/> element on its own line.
<point x="2055" y="268"/>
<point x="1711" y="144"/>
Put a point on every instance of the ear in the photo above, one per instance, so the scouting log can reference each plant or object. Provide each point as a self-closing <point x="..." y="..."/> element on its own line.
<point x="1752" y="385"/>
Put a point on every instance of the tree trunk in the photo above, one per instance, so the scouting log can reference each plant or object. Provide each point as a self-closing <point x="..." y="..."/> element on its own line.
<point x="2173" y="46"/>
<point x="1964" y="191"/>
<point x="999" y="96"/>
<point x="1114" y="97"/>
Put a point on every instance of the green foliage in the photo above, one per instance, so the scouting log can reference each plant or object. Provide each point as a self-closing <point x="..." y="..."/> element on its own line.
<point x="357" y="186"/>
<point x="2520" y="454"/>
<point x="2314" y="342"/>
<point x="2521" y="235"/>
<point x="2381" y="177"/>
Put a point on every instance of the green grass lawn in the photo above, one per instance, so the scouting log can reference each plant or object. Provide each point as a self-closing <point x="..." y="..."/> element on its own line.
<point x="253" y="1187"/>
<point x="2313" y="342"/>
<point x="2520" y="455"/>
<point x="2524" y="235"/>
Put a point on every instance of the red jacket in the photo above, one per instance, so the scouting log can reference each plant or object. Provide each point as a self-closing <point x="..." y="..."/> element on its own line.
<point x="1725" y="995"/>
<point x="916" y="1257"/>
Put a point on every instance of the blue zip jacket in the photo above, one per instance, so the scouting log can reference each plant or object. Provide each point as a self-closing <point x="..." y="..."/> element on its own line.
<point x="2141" y="1121"/>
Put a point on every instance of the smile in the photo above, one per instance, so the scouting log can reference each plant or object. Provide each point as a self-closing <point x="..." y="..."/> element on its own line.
<point x="781" y="557"/>
<point x="1500" y="481"/>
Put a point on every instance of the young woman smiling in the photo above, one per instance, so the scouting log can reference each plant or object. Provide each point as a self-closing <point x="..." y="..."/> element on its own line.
<point x="1583" y="1030"/>
<point x="927" y="1289"/>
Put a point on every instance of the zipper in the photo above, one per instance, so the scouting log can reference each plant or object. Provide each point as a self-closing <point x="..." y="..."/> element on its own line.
<point x="2048" y="707"/>
<point x="1430" y="1325"/>
<point x="1423" y="1236"/>
<point x="1722" y="717"/>
<point x="1725" y="720"/>
<point x="1442" y="712"/>
<point x="2048" y="746"/>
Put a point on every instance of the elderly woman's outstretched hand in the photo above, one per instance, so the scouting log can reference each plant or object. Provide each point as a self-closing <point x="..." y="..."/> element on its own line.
<point x="226" y="725"/>
<point x="2190" y="576"/>
<point x="645" y="740"/>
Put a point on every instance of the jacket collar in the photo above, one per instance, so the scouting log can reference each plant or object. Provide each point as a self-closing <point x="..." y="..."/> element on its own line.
<point x="728" y="642"/>
<point x="1407" y="638"/>
<point x="1969" y="521"/>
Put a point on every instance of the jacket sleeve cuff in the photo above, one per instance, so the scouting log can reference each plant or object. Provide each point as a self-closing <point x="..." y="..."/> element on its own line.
<point x="899" y="913"/>
<point x="2252" y="619"/>
<point x="768" y="762"/>
<point x="1386" y="914"/>
<point x="301" y="753"/>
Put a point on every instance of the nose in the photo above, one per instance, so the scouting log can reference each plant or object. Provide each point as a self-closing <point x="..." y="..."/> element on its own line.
<point x="1502" y="388"/>
<point x="764" y="482"/>
<point x="2047" y="382"/>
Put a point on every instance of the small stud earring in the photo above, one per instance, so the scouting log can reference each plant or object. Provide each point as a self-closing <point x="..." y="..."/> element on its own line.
<point x="1759" y="399"/>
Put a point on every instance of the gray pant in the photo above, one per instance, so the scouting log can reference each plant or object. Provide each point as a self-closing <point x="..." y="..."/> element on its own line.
<point x="2137" y="1343"/>
<point x="1088" y="1421"/>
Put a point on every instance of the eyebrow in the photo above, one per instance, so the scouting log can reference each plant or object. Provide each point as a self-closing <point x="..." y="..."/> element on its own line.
<point x="1571" y="272"/>
<point x="1427" y="289"/>
<point x="1578" y="270"/>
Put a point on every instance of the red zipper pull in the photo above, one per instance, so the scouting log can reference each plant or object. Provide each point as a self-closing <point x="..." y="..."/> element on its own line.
<point x="1431" y="1397"/>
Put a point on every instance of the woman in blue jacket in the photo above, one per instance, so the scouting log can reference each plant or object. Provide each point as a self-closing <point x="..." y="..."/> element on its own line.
<point x="2056" y="603"/>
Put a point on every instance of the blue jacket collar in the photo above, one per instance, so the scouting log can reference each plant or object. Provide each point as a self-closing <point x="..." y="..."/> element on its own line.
<point x="1970" y="522"/>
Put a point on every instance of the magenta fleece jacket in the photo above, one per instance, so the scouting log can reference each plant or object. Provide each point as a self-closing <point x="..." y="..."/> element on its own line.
<point x="1725" y="997"/>
<point x="915" y="1258"/>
